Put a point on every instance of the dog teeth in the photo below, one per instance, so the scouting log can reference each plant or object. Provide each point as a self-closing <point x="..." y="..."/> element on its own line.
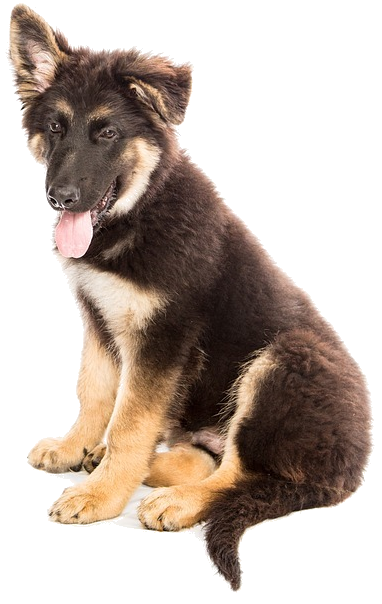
<point x="103" y="203"/>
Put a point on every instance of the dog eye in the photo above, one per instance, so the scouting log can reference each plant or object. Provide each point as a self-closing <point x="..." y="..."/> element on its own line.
<point x="108" y="133"/>
<point x="55" y="127"/>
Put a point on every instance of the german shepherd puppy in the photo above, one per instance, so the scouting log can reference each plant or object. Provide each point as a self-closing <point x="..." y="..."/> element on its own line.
<point x="192" y="335"/>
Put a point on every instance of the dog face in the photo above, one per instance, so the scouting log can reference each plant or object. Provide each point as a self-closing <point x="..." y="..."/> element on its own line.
<point x="96" y="120"/>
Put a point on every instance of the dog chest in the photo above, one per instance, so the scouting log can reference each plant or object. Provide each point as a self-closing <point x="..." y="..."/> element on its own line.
<point x="123" y="305"/>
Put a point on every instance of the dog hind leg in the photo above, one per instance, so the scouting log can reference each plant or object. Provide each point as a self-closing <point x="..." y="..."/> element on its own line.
<point x="299" y="438"/>
<point x="308" y="430"/>
<point x="182" y="506"/>
<point x="183" y="464"/>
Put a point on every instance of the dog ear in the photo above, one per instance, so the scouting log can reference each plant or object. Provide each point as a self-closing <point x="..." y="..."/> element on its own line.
<point x="35" y="51"/>
<point x="162" y="87"/>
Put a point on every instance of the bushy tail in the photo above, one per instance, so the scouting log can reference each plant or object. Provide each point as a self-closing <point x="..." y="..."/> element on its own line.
<point x="250" y="502"/>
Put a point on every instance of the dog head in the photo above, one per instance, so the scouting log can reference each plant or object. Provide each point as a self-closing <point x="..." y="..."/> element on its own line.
<point x="99" y="121"/>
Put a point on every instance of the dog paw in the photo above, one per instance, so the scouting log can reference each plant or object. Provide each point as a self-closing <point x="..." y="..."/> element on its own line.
<point x="56" y="455"/>
<point x="94" y="458"/>
<point x="172" y="508"/>
<point x="85" y="503"/>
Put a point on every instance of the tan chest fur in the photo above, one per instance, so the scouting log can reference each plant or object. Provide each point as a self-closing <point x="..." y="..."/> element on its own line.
<point x="126" y="308"/>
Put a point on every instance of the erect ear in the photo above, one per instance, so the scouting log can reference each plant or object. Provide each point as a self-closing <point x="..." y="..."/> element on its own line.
<point x="35" y="52"/>
<point x="161" y="86"/>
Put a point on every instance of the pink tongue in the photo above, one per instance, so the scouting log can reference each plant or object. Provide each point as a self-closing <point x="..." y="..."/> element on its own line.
<point x="73" y="234"/>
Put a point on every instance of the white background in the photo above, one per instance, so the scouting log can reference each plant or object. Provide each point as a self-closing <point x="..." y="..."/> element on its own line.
<point x="285" y="117"/>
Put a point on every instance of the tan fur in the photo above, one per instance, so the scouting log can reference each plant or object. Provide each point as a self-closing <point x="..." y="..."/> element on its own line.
<point x="135" y="426"/>
<point x="47" y="52"/>
<point x="36" y="143"/>
<point x="149" y="95"/>
<point x="244" y="392"/>
<point x="126" y="307"/>
<point x="144" y="158"/>
<point x="94" y="458"/>
<point x="136" y="420"/>
<point x="182" y="465"/>
<point x="121" y="397"/>
<point x="62" y="106"/>
<point x="100" y="112"/>
<point x="176" y="294"/>
<point x="183" y="506"/>
<point x="37" y="147"/>
<point x="97" y="386"/>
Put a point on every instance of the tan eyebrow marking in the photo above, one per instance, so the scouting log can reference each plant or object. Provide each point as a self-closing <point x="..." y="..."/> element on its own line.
<point x="99" y="113"/>
<point x="63" y="107"/>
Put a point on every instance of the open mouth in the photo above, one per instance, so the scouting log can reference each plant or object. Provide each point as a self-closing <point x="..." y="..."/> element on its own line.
<point x="105" y="205"/>
<point x="74" y="232"/>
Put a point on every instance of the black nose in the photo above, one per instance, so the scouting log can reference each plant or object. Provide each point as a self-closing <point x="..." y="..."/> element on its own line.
<point x="63" y="197"/>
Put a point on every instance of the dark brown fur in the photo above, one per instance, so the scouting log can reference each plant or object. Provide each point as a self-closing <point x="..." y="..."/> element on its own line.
<point x="228" y="342"/>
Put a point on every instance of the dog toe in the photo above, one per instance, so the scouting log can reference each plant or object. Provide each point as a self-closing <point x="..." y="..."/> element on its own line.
<point x="171" y="509"/>
<point x="56" y="455"/>
<point x="94" y="458"/>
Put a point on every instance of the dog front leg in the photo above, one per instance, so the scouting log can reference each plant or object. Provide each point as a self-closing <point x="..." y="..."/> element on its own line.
<point x="97" y="388"/>
<point x="136" y="425"/>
